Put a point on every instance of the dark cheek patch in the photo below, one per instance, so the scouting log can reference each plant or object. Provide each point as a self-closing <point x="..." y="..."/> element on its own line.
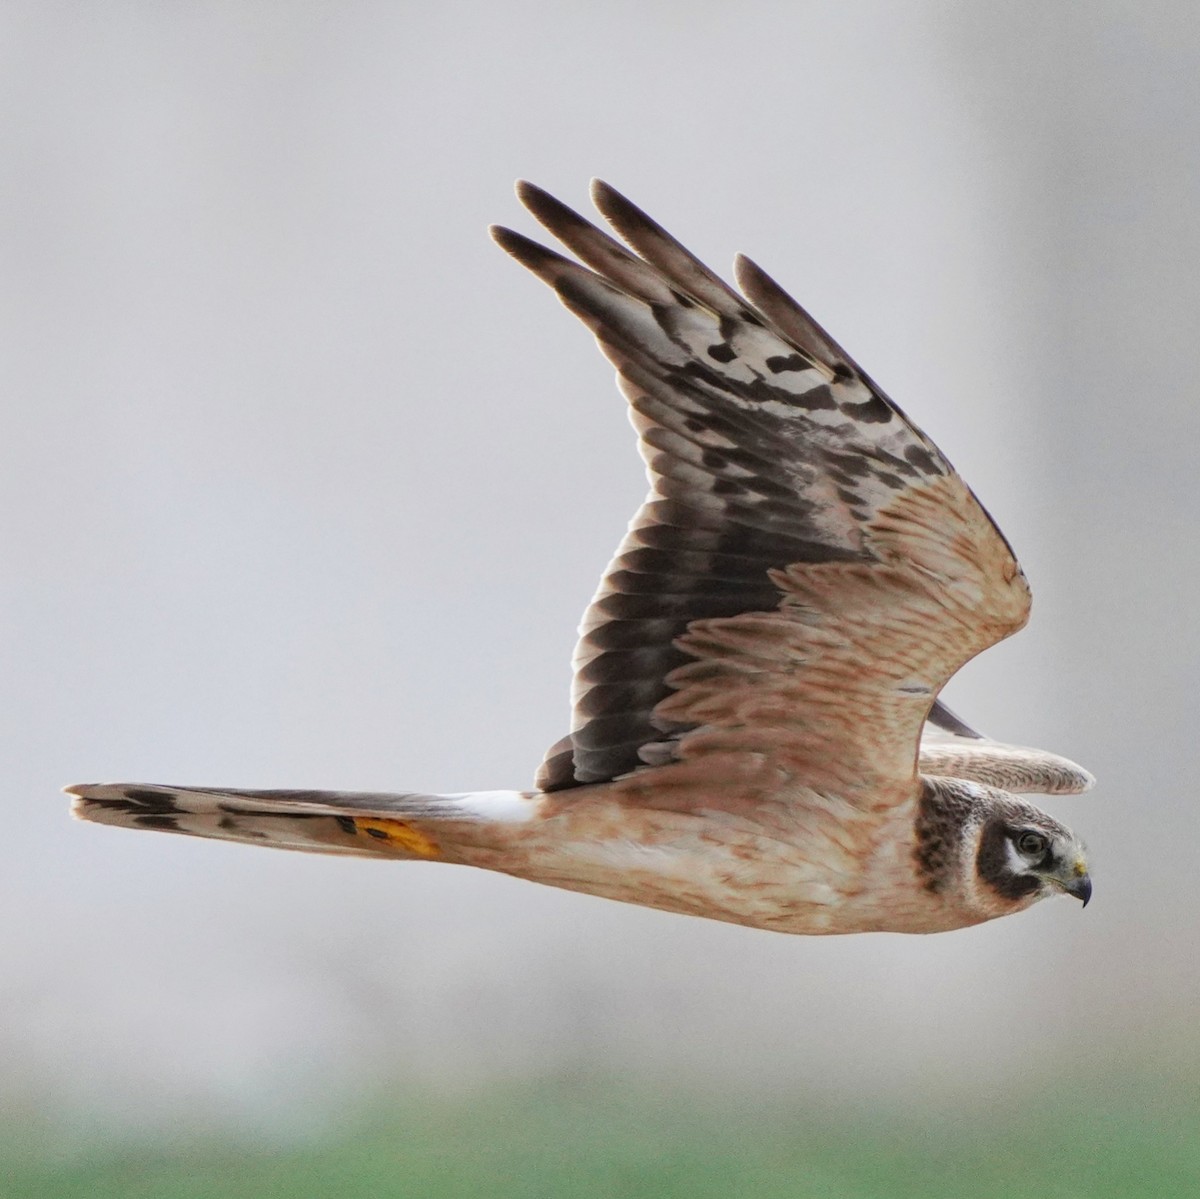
<point x="993" y="868"/>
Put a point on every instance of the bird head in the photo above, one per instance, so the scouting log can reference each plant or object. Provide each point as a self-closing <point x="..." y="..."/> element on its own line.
<point x="1024" y="855"/>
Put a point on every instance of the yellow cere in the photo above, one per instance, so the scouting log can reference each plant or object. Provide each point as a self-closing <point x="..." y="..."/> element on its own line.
<point x="399" y="834"/>
<point x="1080" y="868"/>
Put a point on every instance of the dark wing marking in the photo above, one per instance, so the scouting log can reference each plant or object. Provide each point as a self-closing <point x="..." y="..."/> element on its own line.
<point x="766" y="448"/>
<point x="943" y="720"/>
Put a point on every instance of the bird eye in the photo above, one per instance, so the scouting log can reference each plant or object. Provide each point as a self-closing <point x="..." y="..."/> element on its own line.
<point x="1032" y="845"/>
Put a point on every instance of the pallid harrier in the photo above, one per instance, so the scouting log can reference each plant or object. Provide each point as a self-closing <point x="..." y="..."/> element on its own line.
<point x="756" y="735"/>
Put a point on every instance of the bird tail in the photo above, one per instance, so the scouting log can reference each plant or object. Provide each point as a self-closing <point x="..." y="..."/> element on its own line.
<point x="363" y="824"/>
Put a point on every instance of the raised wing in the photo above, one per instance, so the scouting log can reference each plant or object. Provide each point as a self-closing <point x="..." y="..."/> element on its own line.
<point x="807" y="570"/>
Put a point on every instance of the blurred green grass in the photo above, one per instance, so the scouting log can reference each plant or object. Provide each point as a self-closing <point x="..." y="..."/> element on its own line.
<point x="1091" y="1139"/>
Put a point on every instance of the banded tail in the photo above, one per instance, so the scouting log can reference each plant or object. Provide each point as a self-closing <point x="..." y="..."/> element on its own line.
<point x="358" y="823"/>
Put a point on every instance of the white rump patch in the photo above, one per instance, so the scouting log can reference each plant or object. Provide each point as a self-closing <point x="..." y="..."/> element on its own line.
<point x="506" y="807"/>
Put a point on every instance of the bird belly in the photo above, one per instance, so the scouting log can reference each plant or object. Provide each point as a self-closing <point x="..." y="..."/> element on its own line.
<point x="697" y="866"/>
<point x="750" y="880"/>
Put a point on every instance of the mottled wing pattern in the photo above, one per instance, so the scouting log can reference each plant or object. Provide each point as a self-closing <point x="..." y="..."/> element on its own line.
<point x="807" y="570"/>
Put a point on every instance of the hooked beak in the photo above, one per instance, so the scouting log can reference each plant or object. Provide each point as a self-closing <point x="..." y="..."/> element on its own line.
<point x="1080" y="887"/>
<point x="1072" y="878"/>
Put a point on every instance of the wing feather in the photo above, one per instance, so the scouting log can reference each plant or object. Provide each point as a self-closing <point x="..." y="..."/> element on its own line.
<point x="1015" y="768"/>
<point x="807" y="570"/>
<point x="790" y="319"/>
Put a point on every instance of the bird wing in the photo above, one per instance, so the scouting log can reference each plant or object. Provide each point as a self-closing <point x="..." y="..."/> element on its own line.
<point x="807" y="571"/>
<point x="1017" y="768"/>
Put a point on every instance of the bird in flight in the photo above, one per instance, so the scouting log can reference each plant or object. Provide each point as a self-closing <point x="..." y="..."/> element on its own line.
<point x="756" y="734"/>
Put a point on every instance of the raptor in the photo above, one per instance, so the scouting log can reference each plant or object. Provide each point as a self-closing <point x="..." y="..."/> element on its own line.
<point x="756" y="734"/>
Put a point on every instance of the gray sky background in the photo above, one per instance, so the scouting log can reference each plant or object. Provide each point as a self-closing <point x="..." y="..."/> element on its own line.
<point x="305" y="483"/>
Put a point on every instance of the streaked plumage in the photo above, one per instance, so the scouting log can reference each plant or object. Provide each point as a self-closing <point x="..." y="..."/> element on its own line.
<point x="756" y="670"/>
